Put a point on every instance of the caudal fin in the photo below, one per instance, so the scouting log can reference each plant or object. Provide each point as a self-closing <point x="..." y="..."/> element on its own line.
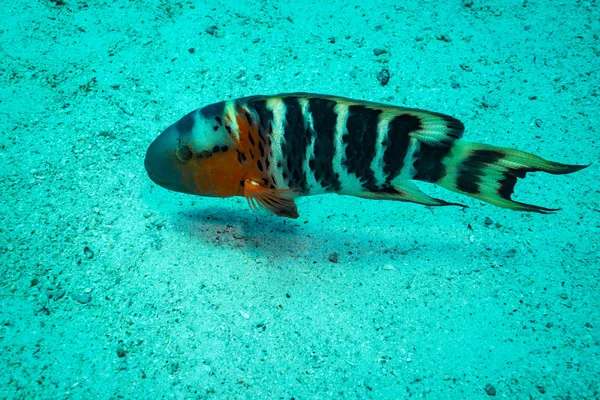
<point x="489" y="173"/>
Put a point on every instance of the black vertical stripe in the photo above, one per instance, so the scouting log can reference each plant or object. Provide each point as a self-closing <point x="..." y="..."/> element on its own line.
<point x="428" y="160"/>
<point x="213" y="110"/>
<point x="473" y="168"/>
<point x="396" y="144"/>
<point x="265" y="128"/>
<point x="248" y="118"/>
<point x="429" y="163"/>
<point x="296" y="138"/>
<point x="360" y="143"/>
<point x="265" y="117"/>
<point x="186" y="124"/>
<point x="324" y="121"/>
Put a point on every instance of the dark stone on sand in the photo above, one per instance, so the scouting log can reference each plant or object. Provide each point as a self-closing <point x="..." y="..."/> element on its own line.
<point x="383" y="76"/>
<point x="490" y="390"/>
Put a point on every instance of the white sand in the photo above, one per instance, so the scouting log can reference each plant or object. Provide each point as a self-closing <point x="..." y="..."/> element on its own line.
<point x="111" y="287"/>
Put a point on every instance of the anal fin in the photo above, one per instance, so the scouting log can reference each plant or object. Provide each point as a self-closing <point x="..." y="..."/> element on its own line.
<point x="406" y="191"/>
<point x="263" y="199"/>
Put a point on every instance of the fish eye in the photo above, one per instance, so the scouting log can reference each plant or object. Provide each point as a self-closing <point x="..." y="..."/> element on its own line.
<point x="184" y="154"/>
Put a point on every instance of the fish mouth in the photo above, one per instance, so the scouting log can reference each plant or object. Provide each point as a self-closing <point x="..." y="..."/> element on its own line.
<point x="155" y="179"/>
<point x="171" y="181"/>
<point x="159" y="163"/>
<point x="170" y="185"/>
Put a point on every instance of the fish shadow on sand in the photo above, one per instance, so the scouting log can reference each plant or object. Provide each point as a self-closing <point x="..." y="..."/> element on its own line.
<point x="233" y="229"/>
<point x="278" y="238"/>
<point x="229" y="228"/>
<point x="317" y="237"/>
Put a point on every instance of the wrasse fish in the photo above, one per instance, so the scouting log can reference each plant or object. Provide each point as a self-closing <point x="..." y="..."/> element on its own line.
<point x="273" y="149"/>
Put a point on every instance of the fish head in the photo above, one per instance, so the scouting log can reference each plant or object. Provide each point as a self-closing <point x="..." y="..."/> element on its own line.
<point x="197" y="155"/>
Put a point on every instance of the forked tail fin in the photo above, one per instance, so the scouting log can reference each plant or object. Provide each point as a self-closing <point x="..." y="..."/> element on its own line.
<point x="489" y="173"/>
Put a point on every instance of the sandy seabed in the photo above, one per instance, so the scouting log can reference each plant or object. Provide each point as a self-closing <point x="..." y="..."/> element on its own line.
<point x="112" y="287"/>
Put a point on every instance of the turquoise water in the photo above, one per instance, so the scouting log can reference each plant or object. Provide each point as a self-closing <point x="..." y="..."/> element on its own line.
<point x="112" y="287"/>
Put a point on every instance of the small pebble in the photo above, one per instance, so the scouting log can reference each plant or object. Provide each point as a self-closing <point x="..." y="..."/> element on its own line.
<point x="55" y="295"/>
<point x="541" y="389"/>
<point x="334" y="258"/>
<point x="211" y="30"/>
<point x="490" y="101"/>
<point x="82" y="298"/>
<point x="244" y="314"/>
<point x="488" y="221"/>
<point x="88" y="253"/>
<point x="490" y="390"/>
<point x="379" y="51"/>
<point x="121" y="352"/>
<point x="389" y="267"/>
<point x="564" y="296"/>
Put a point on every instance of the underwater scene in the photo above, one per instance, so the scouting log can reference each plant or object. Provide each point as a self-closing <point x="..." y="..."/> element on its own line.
<point x="299" y="199"/>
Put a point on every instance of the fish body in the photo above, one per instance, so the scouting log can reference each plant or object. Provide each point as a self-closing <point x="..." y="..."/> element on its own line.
<point x="273" y="149"/>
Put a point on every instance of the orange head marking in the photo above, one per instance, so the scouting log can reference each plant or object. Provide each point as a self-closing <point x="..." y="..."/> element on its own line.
<point x="197" y="155"/>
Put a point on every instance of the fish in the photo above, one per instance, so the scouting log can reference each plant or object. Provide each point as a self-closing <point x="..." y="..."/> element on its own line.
<point x="274" y="149"/>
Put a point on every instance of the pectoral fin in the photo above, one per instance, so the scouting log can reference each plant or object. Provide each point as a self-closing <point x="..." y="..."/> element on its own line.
<point x="277" y="201"/>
